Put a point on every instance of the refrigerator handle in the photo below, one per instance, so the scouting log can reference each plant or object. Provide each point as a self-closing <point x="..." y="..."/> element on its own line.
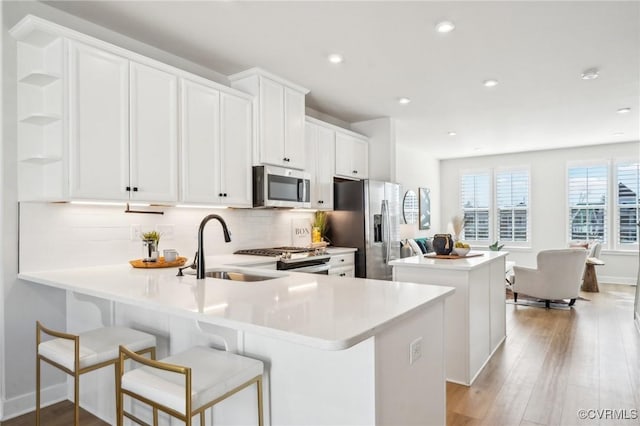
<point x="386" y="231"/>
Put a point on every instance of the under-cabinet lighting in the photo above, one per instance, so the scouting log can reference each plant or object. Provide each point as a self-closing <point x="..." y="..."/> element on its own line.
<point x="199" y="206"/>
<point x="98" y="203"/>
<point x="217" y="307"/>
<point x="303" y="210"/>
<point x="303" y="287"/>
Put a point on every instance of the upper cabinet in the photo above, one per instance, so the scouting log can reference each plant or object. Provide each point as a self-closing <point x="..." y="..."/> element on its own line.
<point x="280" y="117"/>
<point x="123" y="128"/>
<point x="216" y="145"/>
<point x="97" y="122"/>
<point x="352" y="155"/>
<point x="320" y="162"/>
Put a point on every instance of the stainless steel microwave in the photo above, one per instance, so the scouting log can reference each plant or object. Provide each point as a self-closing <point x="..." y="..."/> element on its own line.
<point x="280" y="187"/>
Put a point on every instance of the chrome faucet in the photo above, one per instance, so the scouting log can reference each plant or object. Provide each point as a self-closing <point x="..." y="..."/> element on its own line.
<point x="200" y="255"/>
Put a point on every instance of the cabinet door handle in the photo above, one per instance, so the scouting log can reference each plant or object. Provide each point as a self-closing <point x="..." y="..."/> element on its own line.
<point x="355" y="172"/>
<point x="135" y="189"/>
<point x="343" y="274"/>
<point x="320" y="202"/>
<point x="128" y="188"/>
<point x="341" y="260"/>
<point x="224" y="195"/>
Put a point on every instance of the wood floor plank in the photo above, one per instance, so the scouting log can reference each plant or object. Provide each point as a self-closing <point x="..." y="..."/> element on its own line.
<point x="60" y="414"/>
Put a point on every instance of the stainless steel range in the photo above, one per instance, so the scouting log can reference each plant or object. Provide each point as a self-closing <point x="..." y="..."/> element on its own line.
<point x="296" y="259"/>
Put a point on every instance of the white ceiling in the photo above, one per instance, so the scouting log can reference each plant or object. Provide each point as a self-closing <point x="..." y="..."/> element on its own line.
<point x="536" y="50"/>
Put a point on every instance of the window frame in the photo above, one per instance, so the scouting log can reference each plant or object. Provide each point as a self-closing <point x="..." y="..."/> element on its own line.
<point x="607" y="206"/>
<point x="478" y="172"/>
<point x="512" y="169"/>
<point x="615" y="207"/>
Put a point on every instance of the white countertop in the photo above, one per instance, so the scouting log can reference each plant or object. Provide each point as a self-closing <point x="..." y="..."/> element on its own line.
<point x="321" y="311"/>
<point x="463" y="264"/>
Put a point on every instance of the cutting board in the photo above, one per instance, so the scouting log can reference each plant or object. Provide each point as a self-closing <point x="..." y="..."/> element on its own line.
<point x="138" y="263"/>
<point x="452" y="256"/>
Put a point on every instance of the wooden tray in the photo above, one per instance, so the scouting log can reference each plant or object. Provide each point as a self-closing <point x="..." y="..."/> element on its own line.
<point x="160" y="263"/>
<point x="452" y="256"/>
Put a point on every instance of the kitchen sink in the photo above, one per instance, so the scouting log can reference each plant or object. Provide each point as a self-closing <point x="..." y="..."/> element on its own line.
<point x="237" y="274"/>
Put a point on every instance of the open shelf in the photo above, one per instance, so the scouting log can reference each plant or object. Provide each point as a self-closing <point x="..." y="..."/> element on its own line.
<point x="41" y="119"/>
<point x="39" y="79"/>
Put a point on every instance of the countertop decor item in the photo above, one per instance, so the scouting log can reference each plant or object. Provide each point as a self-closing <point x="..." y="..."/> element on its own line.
<point x="495" y="246"/>
<point x="160" y="263"/>
<point x="461" y="251"/>
<point x="457" y="223"/>
<point x="442" y="243"/>
<point x="320" y="226"/>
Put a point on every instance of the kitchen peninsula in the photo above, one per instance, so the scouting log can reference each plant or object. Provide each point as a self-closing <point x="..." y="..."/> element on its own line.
<point x="337" y="349"/>
<point x="475" y="314"/>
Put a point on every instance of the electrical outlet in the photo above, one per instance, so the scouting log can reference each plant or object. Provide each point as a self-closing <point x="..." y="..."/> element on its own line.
<point x="135" y="232"/>
<point x="415" y="350"/>
<point x="166" y="231"/>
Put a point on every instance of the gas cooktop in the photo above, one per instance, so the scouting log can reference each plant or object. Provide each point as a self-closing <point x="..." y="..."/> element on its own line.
<point x="276" y="251"/>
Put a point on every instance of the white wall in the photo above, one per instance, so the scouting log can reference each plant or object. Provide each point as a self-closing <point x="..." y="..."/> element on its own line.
<point x="415" y="168"/>
<point x="94" y="235"/>
<point x="548" y="200"/>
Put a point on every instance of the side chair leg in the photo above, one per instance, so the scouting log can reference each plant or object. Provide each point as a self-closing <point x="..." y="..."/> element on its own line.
<point x="547" y="304"/>
<point x="260" y="403"/>
<point x="515" y="297"/>
<point x="572" y="302"/>
<point x="76" y="399"/>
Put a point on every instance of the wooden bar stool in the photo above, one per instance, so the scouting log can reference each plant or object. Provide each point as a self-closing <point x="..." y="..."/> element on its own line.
<point x="84" y="352"/>
<point x="187" y="383"/>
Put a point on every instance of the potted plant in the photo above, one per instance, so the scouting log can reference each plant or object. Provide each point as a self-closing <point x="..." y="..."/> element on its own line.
<point x="319" y="226"/>
<point x="151" y="242"/>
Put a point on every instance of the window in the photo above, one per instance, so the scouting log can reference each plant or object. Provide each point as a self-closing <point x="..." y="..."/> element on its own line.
<point x="512" y="205"/>
<point x="475" y="194"/>
<point x="627" y="189"/>
<point x="587" y="193"/>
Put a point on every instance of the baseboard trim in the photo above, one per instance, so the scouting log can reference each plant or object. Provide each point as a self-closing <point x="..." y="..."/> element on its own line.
<point x="607" y="279"/>
<point x="19" y="405"/>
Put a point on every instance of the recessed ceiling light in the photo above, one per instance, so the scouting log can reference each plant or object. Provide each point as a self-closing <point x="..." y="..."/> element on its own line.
<point x="624" y="110"/>
<point x="490" y="83"/>
<point x="452" y="133"/>
<point x="590" y="74"/>
<point x="445" y="27"/>
<point x="404" y="101"/>
<point x="335" y="58"/>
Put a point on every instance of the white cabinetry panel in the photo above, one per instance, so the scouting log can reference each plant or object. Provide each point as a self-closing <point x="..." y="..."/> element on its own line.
<point x="98" y="124"/>
<point x="352" y="156"/>
<point x="235" y="150"/>
<point x="320" y="163"/>
<point x="294" y="149"/>
<point x="153" y="134"/>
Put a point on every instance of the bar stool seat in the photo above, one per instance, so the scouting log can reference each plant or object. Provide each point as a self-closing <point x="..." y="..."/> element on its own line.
<point x="76" y="354"/>
<point x="96" y="346"/>
<point x="209" y="375"/>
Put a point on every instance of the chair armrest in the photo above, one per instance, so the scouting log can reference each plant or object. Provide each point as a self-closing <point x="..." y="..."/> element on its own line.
<point x="525" y="278"/>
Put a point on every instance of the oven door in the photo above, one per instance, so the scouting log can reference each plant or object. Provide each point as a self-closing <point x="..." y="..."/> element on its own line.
<point x="322" y="269"/>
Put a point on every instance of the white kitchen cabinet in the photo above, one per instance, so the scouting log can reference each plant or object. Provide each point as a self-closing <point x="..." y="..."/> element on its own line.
<point x="216" y="146"/>
<point x="352" y="156"/>
<point x="153" y="130"/>
<point x="279" y="120"/>
<point x="342" y="265"/>
<point x="320" y="163"/>
<point x="123" y="142"/>
<point x="98" y="124"/>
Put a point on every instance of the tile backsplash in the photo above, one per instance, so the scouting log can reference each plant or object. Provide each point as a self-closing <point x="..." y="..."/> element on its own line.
<point x="62" y="235"/>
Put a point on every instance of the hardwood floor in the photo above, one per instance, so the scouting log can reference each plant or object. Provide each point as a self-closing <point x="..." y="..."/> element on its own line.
<point x="556" y="362"/>
<point x="552" y="364"/>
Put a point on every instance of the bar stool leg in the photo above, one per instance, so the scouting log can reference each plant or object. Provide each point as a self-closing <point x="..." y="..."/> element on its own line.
<point x="260" y="414"/>
<point x="202" y="421"/>
<point x="37" y="390"/>
<point x="76" y="398"/>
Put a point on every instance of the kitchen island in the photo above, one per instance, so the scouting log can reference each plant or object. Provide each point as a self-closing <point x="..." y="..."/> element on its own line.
<point x="336" y="350"/>
<point x="475" y="314"/>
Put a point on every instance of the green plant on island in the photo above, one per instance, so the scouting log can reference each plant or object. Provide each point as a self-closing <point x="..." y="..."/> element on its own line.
<point x="495" y="246"/>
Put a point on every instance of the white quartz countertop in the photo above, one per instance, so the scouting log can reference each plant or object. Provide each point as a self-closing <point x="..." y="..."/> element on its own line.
<point x="321" y="311"/>
<point x="464" y="264"/>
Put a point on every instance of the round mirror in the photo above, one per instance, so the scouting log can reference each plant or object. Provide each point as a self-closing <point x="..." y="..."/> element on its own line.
<point x="410" y="207"/>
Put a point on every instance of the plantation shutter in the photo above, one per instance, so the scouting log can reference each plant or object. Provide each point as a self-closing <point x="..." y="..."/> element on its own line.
<point x="475" y="195"/>
<point x="512" y="202"/>
<point x="628" y="201"/>
<point x="587" y="190"/>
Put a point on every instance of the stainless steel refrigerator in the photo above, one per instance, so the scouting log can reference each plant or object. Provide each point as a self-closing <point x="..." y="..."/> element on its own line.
<point x="367" y="216"/>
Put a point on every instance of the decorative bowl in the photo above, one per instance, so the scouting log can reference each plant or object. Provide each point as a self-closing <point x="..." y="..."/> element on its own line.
<point x="461" y="251"/>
